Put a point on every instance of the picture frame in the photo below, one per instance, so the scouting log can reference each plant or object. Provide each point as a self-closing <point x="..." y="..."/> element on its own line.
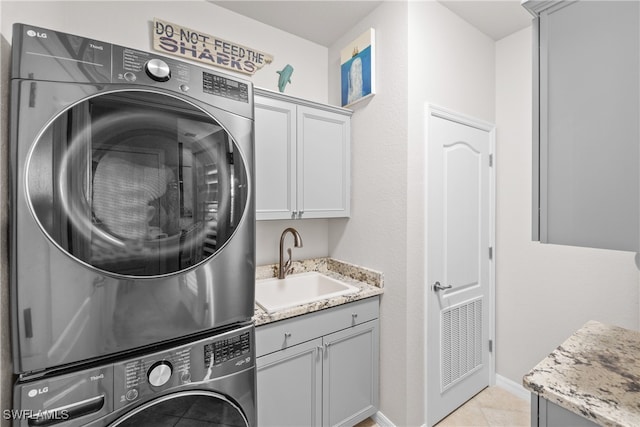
<point x="357" y="69"/>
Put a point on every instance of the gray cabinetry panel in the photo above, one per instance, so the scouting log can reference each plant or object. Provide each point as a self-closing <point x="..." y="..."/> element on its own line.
<point x="320" y="368"/>
<point x="350" y="375"/>
<point x="588" y="117"/>
<point x="285" y="333"/>
<point x="289" y="386"/>
<point x="548" y="414"/>
<point x="303" y="163"/>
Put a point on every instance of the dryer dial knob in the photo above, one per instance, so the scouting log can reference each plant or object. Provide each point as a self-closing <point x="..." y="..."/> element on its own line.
<point x="158" y="70"/>
<point x="159" y="373"/>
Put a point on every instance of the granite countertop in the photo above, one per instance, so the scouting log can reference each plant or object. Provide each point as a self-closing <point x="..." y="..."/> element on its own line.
<point x="370" y="283"/>
<point x="595" y="373"/>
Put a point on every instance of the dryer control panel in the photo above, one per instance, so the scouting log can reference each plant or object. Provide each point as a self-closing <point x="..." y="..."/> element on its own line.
<point x="37" y="54"/>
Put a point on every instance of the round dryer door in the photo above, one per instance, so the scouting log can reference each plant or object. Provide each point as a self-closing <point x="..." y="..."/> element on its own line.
<point x="137" y="183"/>
<point x="186" y="409"/>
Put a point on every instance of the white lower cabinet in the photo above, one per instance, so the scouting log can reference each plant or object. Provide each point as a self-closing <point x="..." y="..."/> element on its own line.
<point x="328" y="380"/>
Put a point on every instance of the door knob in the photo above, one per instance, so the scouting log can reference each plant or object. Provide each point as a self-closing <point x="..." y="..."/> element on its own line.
<point x="439" y="287"/>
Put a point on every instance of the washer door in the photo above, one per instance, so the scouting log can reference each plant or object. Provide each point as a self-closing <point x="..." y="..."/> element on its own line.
<point x="137" y="183"/>
<point x="187" y="409"/>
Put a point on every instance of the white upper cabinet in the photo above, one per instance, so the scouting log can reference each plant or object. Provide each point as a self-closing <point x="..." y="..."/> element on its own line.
<point x="275" y="154"/>
<point x="587" y="123"/>
<point x="303" y="153"/>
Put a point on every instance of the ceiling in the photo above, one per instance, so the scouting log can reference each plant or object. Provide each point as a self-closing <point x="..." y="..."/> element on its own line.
<point x="497" y="18"/>
<point x="324" y="22"/>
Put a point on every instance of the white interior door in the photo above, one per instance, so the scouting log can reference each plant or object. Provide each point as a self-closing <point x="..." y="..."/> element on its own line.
<point x="459" y="263"/>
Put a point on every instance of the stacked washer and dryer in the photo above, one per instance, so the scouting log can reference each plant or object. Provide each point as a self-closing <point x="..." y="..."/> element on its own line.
<point x="132" y="237"/>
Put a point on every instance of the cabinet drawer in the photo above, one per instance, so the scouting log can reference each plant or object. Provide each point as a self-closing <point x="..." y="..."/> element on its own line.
<point x="285" y="333"/>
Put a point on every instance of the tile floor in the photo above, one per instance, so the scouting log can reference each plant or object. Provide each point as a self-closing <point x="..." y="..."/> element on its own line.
<point x="492" y="407"/>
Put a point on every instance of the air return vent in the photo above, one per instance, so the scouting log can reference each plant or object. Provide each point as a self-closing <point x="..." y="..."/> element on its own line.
<point x="461" y="341"/>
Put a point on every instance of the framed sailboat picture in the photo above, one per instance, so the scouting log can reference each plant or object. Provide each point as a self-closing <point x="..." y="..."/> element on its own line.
<point x="357" y="69"/>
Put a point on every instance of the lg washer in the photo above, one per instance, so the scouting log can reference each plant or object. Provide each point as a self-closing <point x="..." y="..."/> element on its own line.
<point x="207" y="382"/>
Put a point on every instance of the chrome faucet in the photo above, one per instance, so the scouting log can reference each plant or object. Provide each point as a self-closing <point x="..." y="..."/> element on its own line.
<point x="285" y="268"/>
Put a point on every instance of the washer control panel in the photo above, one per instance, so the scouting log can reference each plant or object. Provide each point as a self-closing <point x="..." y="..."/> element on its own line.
<point x="175" y="368"/>
<point x="159" y="373"/>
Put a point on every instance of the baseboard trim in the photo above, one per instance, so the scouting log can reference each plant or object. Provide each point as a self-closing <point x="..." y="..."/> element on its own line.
<point x="381" y="420"/>
<point x="513" y="387"/>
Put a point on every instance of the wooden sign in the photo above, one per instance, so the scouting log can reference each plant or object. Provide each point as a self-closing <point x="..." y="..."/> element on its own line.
<point x="191" y="44"/>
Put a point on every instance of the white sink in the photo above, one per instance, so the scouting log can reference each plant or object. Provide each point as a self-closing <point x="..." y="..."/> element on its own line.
<point x="278" y="294"/>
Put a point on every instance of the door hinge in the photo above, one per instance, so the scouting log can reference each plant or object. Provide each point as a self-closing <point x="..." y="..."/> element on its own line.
<point x="490" y="160"/>
<point x="490" y="346"/>
<point x="490" y="252"/>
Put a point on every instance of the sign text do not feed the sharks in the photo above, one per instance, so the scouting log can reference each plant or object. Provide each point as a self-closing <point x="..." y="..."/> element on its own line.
<point x="187" y="43"/>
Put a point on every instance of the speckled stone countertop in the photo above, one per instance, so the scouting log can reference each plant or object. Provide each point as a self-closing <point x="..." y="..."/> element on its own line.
<point x="369" y="282"/>
<point x="595" y="373"/>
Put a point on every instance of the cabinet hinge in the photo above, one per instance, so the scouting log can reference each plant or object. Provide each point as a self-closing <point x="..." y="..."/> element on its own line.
<point x="490" y="160"/>
<point x="490" y="252"/>
<point x="490" y="346"/>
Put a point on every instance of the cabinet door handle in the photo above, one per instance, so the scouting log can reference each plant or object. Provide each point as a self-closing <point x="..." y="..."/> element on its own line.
<point x="300" y="214"/>
<point x="287" y="335"/>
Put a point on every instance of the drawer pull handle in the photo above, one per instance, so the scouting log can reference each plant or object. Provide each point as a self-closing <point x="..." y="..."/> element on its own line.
<point x="354" y="315"/>
<point x="287" y="335"/>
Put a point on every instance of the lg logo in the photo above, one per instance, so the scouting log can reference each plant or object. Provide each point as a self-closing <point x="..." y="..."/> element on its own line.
<point x="32" y="33"/>
<point x="36" y="391"/>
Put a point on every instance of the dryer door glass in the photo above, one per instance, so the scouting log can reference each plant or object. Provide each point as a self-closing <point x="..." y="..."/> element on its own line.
<point x="197" y="409"/>
<point x="137" y="183"/>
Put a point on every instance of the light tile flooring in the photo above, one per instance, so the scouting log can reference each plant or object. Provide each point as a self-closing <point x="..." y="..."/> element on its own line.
<point x="492" y="407"/>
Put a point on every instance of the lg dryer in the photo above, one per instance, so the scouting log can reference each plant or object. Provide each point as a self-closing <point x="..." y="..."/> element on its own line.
<point x="132" y="213"/>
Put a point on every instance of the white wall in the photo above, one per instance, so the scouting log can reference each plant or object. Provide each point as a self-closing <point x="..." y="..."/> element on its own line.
<point x="375" y="234"/>
<point x="544" y="292"/>
<point x="424" y="53"/>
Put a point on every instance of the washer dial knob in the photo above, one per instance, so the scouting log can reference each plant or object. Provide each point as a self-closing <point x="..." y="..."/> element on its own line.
<point x="158" y="70"/>
<point x="159" y="373"/>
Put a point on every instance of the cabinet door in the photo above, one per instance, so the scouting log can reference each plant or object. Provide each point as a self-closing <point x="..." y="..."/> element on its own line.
<point x="323" y="163"/>
<point x="275" y="154"/>
<point x="350" y="375"/>
<point x="289" y="386"/>
<point x="589" y="108"/>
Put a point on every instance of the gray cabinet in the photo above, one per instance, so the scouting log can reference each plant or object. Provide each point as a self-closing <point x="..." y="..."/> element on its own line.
<point x="586" y="167"/>
<point x="350" y="375"/>
<point x="302" y="158"/>
<point x="289" y="386"/>
<point x="548" y="414"/>
<point x="308" y="376"/>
